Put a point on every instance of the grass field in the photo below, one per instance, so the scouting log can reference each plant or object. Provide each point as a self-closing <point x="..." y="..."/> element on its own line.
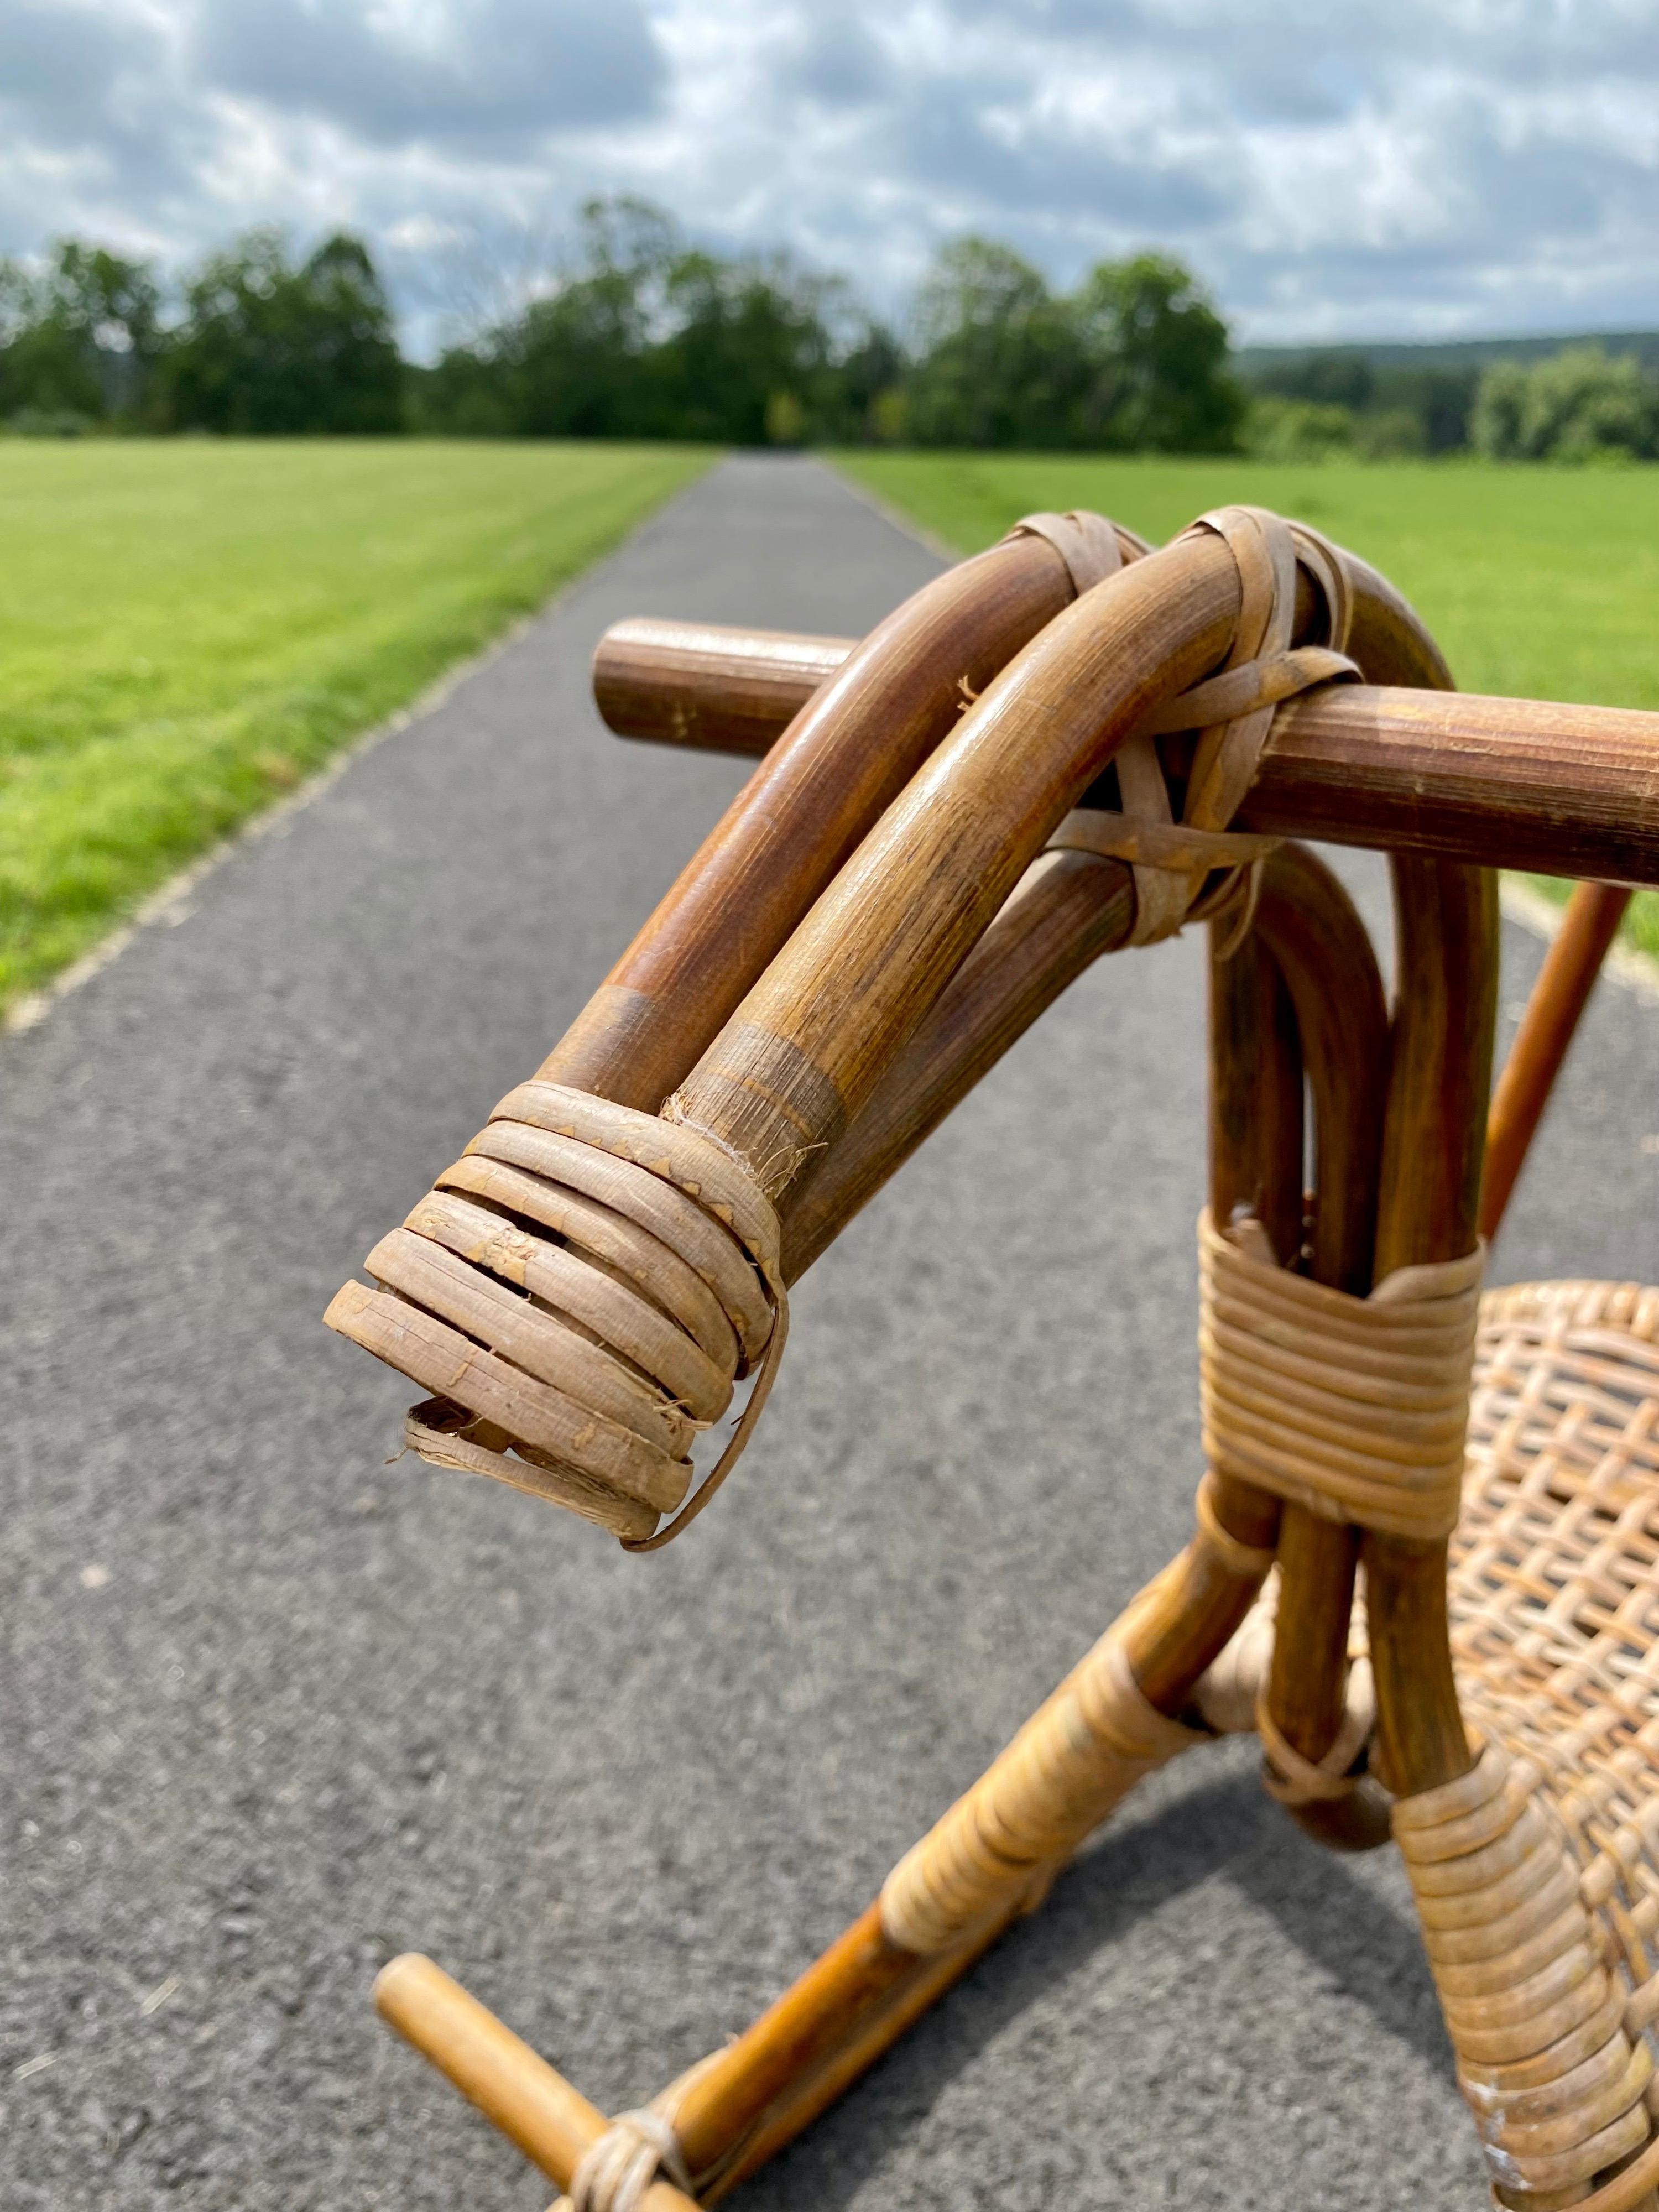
<point x="187" y="628"/>
<point x="1538" y="582"/>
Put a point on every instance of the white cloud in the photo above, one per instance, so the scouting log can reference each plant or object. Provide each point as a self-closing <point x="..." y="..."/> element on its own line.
<point x="1425" y="167"/>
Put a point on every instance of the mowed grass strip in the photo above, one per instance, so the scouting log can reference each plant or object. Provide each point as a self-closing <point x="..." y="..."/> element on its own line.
<point x="1538" y="582"/>
<point x="188" y="628"/>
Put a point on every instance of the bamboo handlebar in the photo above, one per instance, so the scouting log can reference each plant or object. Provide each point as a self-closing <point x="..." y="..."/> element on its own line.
<point x="1510" y="783"/>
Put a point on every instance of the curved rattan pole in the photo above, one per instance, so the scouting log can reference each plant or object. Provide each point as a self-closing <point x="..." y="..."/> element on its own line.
<point x="1440" y="1074"/>
<point x="861" y="1995"/>
<point x="848" y="751"/>
<point x="864" y="1991"/>
<point x="1554" y="1008"/>
<point x="1310" y="925"/>
<point x="1507" y="783"/>
<point x="807" y="1046"/>
<point x="709" y="687"/>
<point x="1446" y="1000"/>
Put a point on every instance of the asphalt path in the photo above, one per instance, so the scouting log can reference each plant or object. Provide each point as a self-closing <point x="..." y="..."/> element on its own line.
<point x="275" y="1709"/>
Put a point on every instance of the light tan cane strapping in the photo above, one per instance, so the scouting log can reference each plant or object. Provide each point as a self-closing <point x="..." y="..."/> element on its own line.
<point x="1354" y="1407"/>
<point x="1091" y="545"/>
<point x="1233" y="711"/>
<point x="1558" y="2087"/>
<point x="1078" y="1755"/>
<point x="580" y="1294"/>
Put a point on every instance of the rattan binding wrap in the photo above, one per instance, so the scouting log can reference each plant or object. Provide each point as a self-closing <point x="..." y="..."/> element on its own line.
<point x="581" y="1292"/>
<point x="1173" y="859"/>
<point x="1354" y="1407"/>
<point x="1079" y="1754"/>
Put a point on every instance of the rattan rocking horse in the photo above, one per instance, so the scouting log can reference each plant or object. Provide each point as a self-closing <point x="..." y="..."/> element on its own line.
<point x="1067" y="745"/>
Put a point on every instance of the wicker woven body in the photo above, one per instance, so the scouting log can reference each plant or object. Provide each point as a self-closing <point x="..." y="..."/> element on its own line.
<point x="1423" y="1567"/>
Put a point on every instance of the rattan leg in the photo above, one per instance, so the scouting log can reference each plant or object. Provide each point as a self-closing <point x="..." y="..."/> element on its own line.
<point x="990" y="1857"/>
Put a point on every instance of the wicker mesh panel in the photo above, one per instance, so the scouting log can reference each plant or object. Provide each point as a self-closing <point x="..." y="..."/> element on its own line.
<point x="1555" y="1582"/>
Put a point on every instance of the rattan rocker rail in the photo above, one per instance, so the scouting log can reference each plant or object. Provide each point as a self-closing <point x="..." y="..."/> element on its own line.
<point x="899" y="891"/>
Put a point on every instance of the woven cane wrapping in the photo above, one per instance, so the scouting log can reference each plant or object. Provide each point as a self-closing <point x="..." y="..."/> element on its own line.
<point x="1353" y="1407"/>
<point x="1171" y="860"/>
<point x="581" y="1289"/>
<point x="1555" y="1633"/>
<point x="1078" y="1756"/>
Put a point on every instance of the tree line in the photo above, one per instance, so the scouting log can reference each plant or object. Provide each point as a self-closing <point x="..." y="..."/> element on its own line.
<point x="642" y="334"/>
<point x="1580" y="403"/>
<point x="258" y="343"/>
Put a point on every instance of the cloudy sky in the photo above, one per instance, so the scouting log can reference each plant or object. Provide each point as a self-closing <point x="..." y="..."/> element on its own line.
<point x="1415" y="168"/>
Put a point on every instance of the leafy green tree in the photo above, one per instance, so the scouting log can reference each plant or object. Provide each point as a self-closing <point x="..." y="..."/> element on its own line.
<point x="1440" y="398"/>
<point x="999" y="359"/>
<point x="1500" y="404"/>
<point x="1326" y="376"/>
<point x="1162" y="359"/>
<point x="78" y="337"/>
<point x="268" y="346"/>
<point x="750" y="340"/>
<point x="1579" y="405"/>
<point x="869" y="399"/>
<point x="1136" y="359"/>
<point x="644" y="336"/>
<point x="575" y="363"/>
<point x="1278" y="429"/>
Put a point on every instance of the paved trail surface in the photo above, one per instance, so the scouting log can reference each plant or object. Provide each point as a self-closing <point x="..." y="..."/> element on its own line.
<point x="274" y="1709"/>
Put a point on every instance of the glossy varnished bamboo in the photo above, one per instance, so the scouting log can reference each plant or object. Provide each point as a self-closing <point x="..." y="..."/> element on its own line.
<point x="1558" y="1000"/>
<point x="1446" y="938"/>
<point x="707" y="687"/>
<point x="1509" y="783"/>
<point x="848" y="751"/>
<point x="794" y="2036"/>
<point x="815" y="2089"/>
<point x="809" y="1043"/>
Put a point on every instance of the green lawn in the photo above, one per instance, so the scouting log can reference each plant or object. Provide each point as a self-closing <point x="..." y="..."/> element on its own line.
<point x="1538" y="582"/>
<point x="188" y="627"/>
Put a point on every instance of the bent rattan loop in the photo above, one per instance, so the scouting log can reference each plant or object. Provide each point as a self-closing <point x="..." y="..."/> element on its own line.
<point x="1354" y="1407"/>
<point x="1242" y="1559"/>
<point x="1233" y="711"/>
<point x="445" y="1434"/>
<point x="1292" y="1780"/>
<point x="614" y="2174"/>
<point x="738" y="1443"/>
<point x="578" y="1366"/>
<point x="1091" y="547"/>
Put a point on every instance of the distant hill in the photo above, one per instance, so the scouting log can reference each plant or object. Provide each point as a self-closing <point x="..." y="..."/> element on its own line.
<point x="1264" y="364"/>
